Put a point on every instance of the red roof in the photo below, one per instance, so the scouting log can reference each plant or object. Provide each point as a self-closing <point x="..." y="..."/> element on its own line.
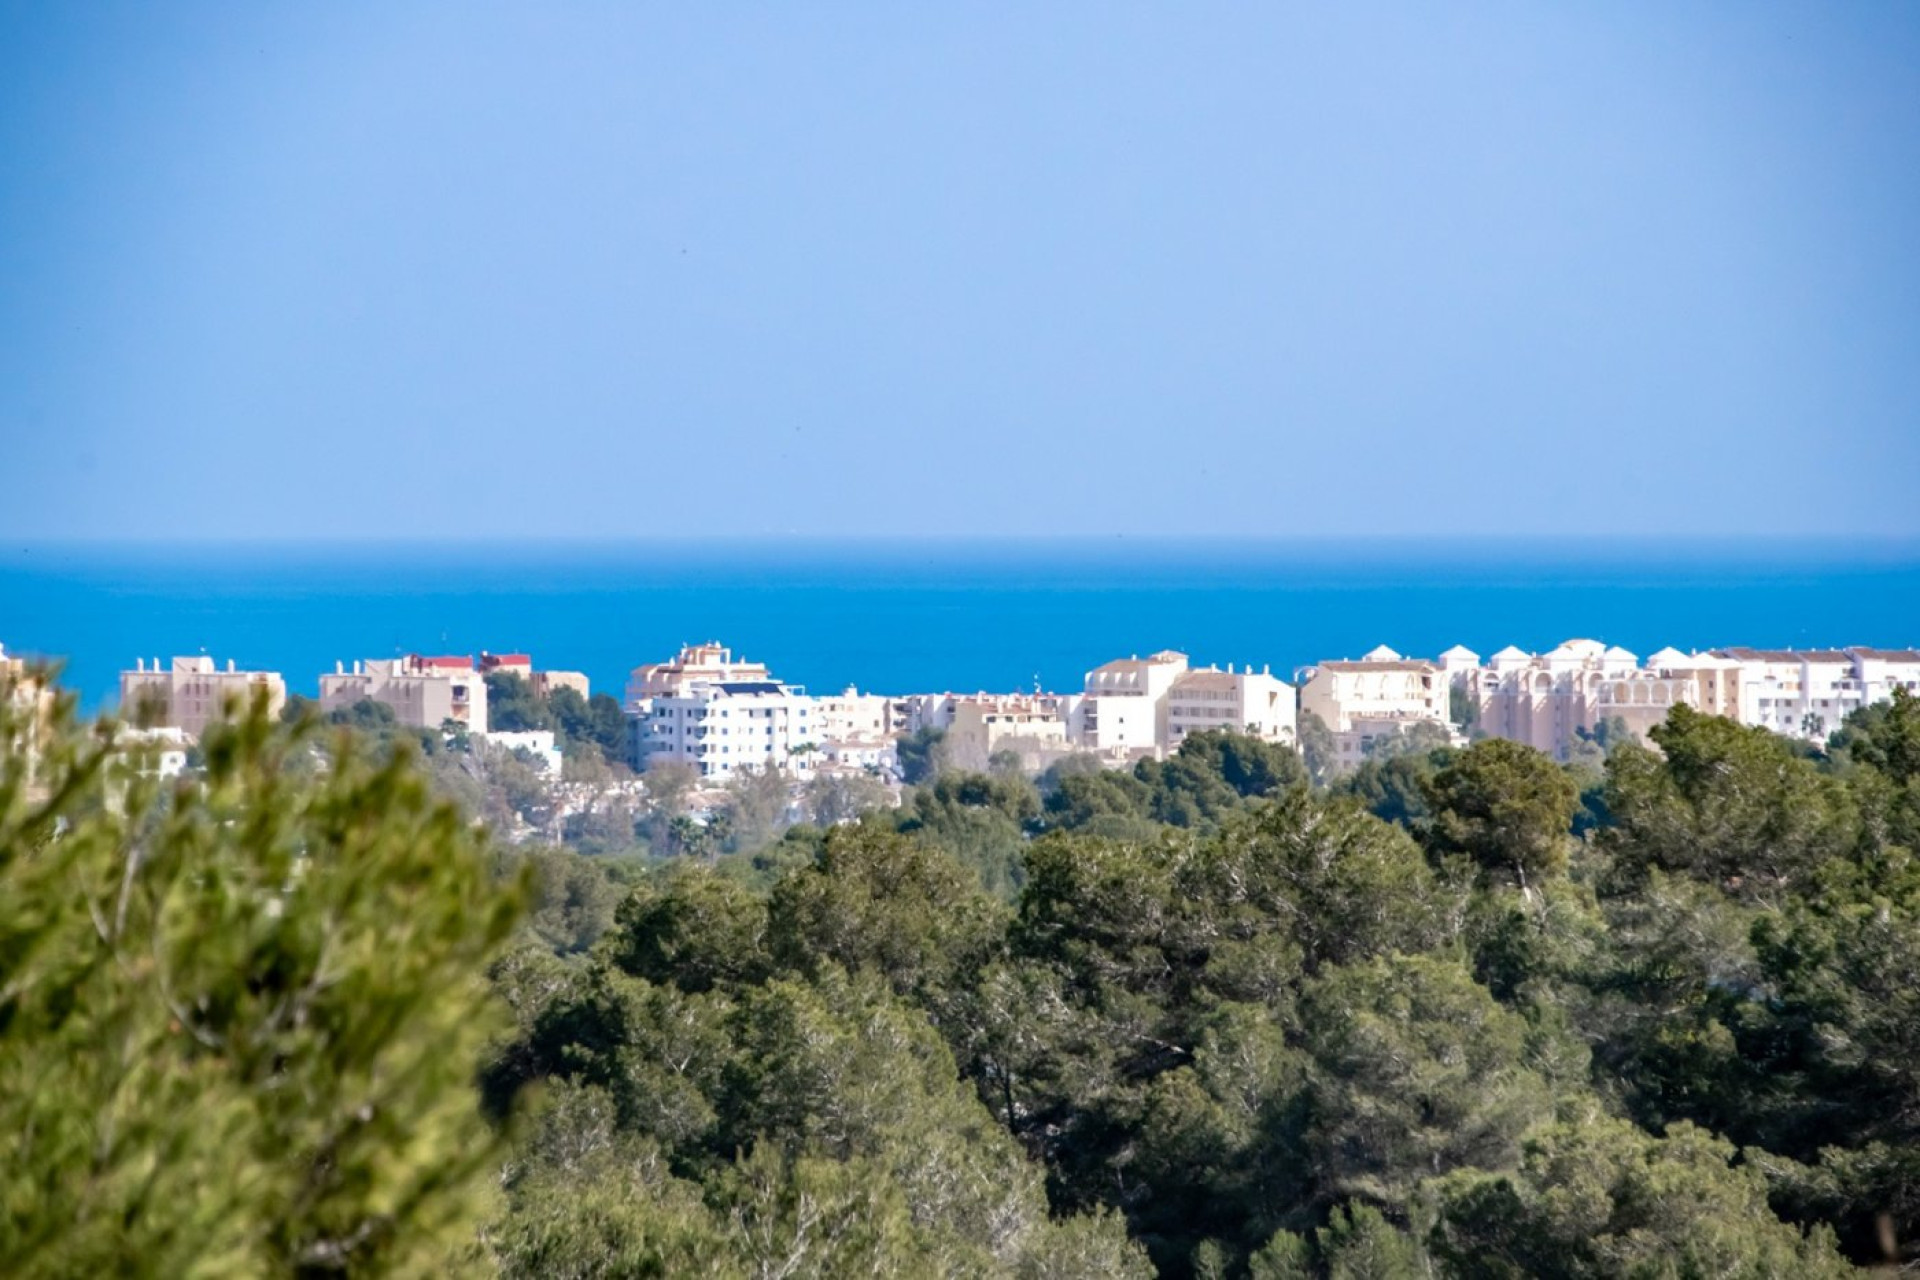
<point x="505" y="659"/>
<point x="457" y="662"/>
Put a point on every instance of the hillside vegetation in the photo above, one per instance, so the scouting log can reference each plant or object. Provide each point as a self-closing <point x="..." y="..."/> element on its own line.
<point x="1465" y="1013"/>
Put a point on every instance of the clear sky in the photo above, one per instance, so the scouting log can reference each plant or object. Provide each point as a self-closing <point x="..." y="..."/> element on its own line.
<point x="277" y="270"/>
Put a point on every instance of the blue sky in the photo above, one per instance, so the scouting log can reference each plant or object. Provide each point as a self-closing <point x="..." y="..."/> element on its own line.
<point x="404" y="270"/>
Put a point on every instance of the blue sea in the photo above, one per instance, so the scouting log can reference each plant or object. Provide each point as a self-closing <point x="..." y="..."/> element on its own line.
<point x="913" y="616"/>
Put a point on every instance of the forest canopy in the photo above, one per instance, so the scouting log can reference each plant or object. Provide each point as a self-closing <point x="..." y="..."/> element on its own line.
<point x="1467" y="1012"/>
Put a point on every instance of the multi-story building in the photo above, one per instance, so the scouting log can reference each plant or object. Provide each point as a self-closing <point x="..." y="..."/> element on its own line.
<point x="1031" y="725"/>
<point x="1123" y="709"/>
<point x="1377" y="698"/>
<point x="1806" y="693"/>
<point x="720" y="716"/>
<point x="192" y="693"/>
<point x="710" y="662"/>
<point x="543" y="682"/>
<point x="1546" y="700"/>
<point x="423" y="692"/>
<point x="1252" y="702"/>
<point x="853" y="716"/>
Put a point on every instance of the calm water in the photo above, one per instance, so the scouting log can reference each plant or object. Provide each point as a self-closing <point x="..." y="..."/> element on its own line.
<point x="905" y="617"/>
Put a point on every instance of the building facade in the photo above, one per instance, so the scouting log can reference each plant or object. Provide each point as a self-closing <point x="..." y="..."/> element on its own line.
<point x="1375" y="699"/>
<point x="1807" y="693"/>
<point x="1122" y="710"/>
<point x="191" y="693"/>
<point x="423" y="692"/>
<point x="711" y="662"/>
<point x="1247" y="701"/>
<point x="720" y="716"/>
<point x="1030" y="725"/>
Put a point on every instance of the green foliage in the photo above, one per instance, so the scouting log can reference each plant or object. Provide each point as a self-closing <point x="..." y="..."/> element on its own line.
<point x="1602" y="1198"/>
<point x="1394" y="787"/>
<point x="1504" y="805"/>
<point x="1466" y="1013"/>
<point x="1463" y="709"/>
<point x="1317" y="749"/>
<point x="879" y="902"/>
<point x="922" y="755"/>
<point x="1417" y="1071"/>
<point x="1730" y="805"/>
<point x="1213" y="775"/>
<point x="573" y="897"/>
<point x="513" y="706"/>
<point x="980" y="820"/>
<point x="694" y="929"/>
<point x="241" y="1012"/>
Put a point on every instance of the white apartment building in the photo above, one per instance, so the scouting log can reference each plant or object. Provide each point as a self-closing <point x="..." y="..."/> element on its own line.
<point x="191" y="693"/>
<point x="424" y="692"/>
<point x="720" y="716"/>
<point x="1123" y="709"/>
<point x="1247" y="701"/>
<point x="1807" y="693"/>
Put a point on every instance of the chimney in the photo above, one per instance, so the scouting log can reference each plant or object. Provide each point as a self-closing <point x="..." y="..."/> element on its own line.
<point x="229" y="664"/>
<point x="339" y="667"/>
<point x="139" y="664"/>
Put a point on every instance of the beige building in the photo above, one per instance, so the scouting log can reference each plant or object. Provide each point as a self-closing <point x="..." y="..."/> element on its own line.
<point x="424" y="692"/>
<point x="1546" y="700"/>
<point x="853" y="716"/>
<point x="711" y="662"/>
<point x="1029" y="724"/>
<point x="191" y="693"/>
<point x="1373" y="699"/>
<point x="543" y="682"/>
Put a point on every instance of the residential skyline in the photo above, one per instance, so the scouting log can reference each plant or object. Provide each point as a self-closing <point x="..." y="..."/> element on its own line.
<point x="439" y="272"/>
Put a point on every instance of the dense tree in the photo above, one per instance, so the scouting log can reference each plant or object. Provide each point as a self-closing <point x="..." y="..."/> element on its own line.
<point x="1504" y="805"/>
<point x="1417" y="1070"/>
<point x="880" y="902"/>
<point x="1394" y="787"/>
<point x="1601" y="1198"/>
<point x="513" y="706"/>
<point x="573" y="897"/>
<point x="833" y="798"/>
<point x="979" y="819"/>
<point x="1728" y="804"/>
<point x="1317" y="749"/>
<point x="597" y="724"/>
<point x="922" y="754"/>
<point x="241" y="1012"/>
<point x="1884" y="736"/>
<point x="759" y="806"/>
<point x="1539" y="1020"/>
